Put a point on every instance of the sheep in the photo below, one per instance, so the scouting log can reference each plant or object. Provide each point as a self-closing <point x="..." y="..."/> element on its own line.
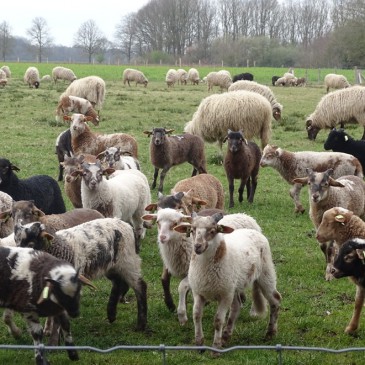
<point x="63" y="73"/>
<point x="83" y="140"/>
<point x="113" y="157"/>
<point x="167" y="151"/>
<point x="293" y="164"/>
<point x="221" y="78"/>
<point x="91" y="88"/>
<point x="3" y="82"/>
<point x="63" y="148"/>
<point x="281" y="81"/>
<point x="242" y="161"/>
<point x="68" y="104"/>
<point x="301" y="81"/>
<point x="46" y="78"/>
<point x="261" y="89"/>
<point x="7" y="71"/>
<point x="236" y="110"/>
<point x="193" y="76"/>
<point x="337" y="107"/>
<point x="339" y="141"/>
<point x="325" y="192"/>
<point x="182" y="76"/>
<point x="101" y="247"/>
<point x="2" y="75"/>
<point x="223" y="264"/>
<point x="274" y="79"/>
<point x="335" y="81"/>
<point x="37" y="284"/>
<point x="43" y="189"/>
<point x="6" y="223"/>
<point x="171" y="77"/>
<point x="243" y="76"/>
<point x="31" y="77"/>
<point x="123" y="196"/>
<point x="130" y="74"/>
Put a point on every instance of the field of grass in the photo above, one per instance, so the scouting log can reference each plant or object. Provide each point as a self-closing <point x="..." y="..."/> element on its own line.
<point x="313" y="313"/>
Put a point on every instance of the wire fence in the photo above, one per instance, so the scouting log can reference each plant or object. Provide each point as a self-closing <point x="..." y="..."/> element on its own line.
<point x="163" y="349"/>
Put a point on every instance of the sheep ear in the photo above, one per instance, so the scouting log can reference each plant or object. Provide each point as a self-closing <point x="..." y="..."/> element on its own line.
<point x="360" y="253"/>
<point x="88" y="118"/>
<point x="340" y="218"/>
<point x="333" y="182"/>
<point x="151" y="207"/>
<point x="76" y="173"/>
<point x="38" y="213"/>
<point x="101" y="155"/>
<point x="67" y="118"/>
<point x="150" y="218"/>
<point x="183" y="228"/>
<point x="225" y="139"/>
<point x="47" y="237"/>
<point x="14" y="168"/>
<point x="224" y="229"/>
<point x="148" y="133"/>
<point x="108" y="171"/>
<point x="198" y="201"/>
<point x="169" y="131"/>
<point x="300" y="180"/>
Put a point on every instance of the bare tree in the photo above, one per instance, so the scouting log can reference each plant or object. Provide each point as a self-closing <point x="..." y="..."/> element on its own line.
<point x="90" y="39"/>
<point x="39" y="36"/>
<point x="5" y="39"/>
<point x="125" y="35"/>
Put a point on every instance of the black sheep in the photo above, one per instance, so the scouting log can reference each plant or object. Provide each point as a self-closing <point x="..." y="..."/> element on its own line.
<point x="63" y="147"/>
<point x="42" y="189"/>
<point x="274" y="79"/>
<point x="243" y="76"/>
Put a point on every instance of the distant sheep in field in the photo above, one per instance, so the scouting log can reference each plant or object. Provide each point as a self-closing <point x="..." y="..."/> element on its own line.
<point x="3" y="79"/>
<point x="243" y="76"/>
<point x="221" y="78"/>
<point x="63" y="73"/>
<point x="7" y="71"/>
<point x="274" y="79"/>
<point x="182" y="76"/>
<point x="130" y="74"/>
<point x="237" y="110"/>
<point x="31" y="77"/>
<point x="91" y="88"/>
<point x="193" y="76"/>
<point x="335" y="81"/>
<point x="171" y="77"/>
<point x="46" y="78"/>
<point x="338" y="107"/>
<point x="261" y="89"/>
<point x="301" y="81"/>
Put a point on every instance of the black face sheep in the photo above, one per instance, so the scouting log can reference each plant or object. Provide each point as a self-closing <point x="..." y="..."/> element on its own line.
<point x="242" y="161"/>
<point x="243" y="76"/>
<point x="43" y="189"/>
<point x="167" y="151"/>
<point x="274" y="79"/>
<point x="37" y="284"/>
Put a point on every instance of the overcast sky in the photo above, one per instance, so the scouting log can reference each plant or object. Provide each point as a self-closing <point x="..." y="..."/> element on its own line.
<point x="65" y="17"/>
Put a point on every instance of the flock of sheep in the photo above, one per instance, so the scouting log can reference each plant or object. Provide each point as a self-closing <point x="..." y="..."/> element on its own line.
<point x="199" y="242"/>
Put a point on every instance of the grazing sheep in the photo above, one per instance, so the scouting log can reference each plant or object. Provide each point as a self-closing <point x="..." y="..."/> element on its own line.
<point x="274" y="79"/>
<point x="63" y="148"/>
<point x="167" y="151"/>
<point x="182" y="76"/>
<point x="6" y="223"/>
<point x="7" y="71"/>
<point x="113" y="157"/>
<point x="31" y="77"/>
<point x="74" y="104"/>
<point x="221" y="78"/>
<point x="130" y="74"/>
<point x="101" y="247"/>
<point x="243" y="76"/>
<point x="222" y="267"/>
<point x="91" y="88"/>
<point x="46" y="78"/>
<point x="261" y="89"/>
<point x="43" y="189"/>
<point x="3" y="82"/>
<point x="63" y="73"/>
<point x="236" y="110"/>
<point x="83" y="140"/>
<point x="242" y="161"/>
<point x="293" y="164"/>
<point x="301" y="81"/>
<point x="171" y="77"/>
<point x="335" y="81"/>
<point x="193" y="76"/>
<point x="339" y="141"/>
<point x="281" y="81"/>
<point x="338" y="107"/>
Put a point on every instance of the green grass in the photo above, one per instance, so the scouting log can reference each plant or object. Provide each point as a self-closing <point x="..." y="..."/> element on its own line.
<point x="313" y="313"/>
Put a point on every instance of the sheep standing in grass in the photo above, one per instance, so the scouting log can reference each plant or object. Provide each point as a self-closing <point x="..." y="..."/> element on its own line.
<point x="193" y="76"/>
<point x="171" y="77"/>
<point x="335" y="81"/>
<point x="221" y="78"/>
<point x="63" y="73"/>
<point x="3" y="79"/>
<point x="7" y="71"/>
<point x="182" y="76"/>
<point x="167" y="151"/>
<point x="242" y="110"/>
<point x="338" y="107"/>
<point x="130" y="74"/>
<point x="31" y="77"/>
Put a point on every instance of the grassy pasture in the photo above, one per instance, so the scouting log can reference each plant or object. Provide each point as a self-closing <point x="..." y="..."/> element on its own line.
<point x="314" y="312"/>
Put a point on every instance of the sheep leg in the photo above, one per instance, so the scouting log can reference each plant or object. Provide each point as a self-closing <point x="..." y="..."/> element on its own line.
<point x="330" y="255"/>
<point x="60" y="173"/>
<point x="198" y="308"/>
<point x="155" y="175"/>
<point x="253" y="186"/>
<point x="295" y="195"/>
<point x="233" y="315"/>
<point x="195" y="171"/>
<point x="219" y="320"/>
<point x="141" y="294"/>
<point x="359" y="302"/>
<point x="162" y="178"/>
<point x="231" y="190"/>
<point x="119" y="289"/>
<point x="12" y="327"/>
<point x="64" y="322"/>
<point x="183" y="290"/>
<point x="165" y="281"/>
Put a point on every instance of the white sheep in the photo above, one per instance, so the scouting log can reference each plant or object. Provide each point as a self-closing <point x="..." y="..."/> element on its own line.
<point x="91" y="88"/>
<point x="46" y="78"/>
<point x="130" y="74"/>
<point x="182" y="76"/>
<point x="264" y="90"/>
<point x="113" y="157"/>
<point x="31" y="77"/>
<point x="6" y="223"/>
<point x="242" y="110"/>
<point x="7" y="71"/>
<point x="335" y="81"/>
<point x="221" y="78"/>
<point x="224" y="263"/>
<point x="63" y="73"/>
<point x="291" y="165"/>
<point x="171" y="77"/>
<point x="193" y="76"/>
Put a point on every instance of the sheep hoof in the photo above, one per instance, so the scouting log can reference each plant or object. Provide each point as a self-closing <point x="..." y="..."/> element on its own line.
<point x="182" y="319"/>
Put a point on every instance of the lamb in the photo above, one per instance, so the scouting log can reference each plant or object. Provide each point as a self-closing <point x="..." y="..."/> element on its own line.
<point x="74" y="104"/>
<point x="220" y="270"/>
<point x="167" y="151"/>
<point x="46" y="78"/>
<point x="130" y="74"/>
<point x="335" y="81"/>
<point x="293" y="164"/>
<point x="339" y="141"/>
<point x="221" y="78"/>
<point x="243" y="76"/>
<point x="101" y="247"/>
<point x="301" y="81"/>
<point x="91" y="88"/>
<point x="242" y="161"/>
<point x="193" y="76"/>
<point x="236" y="110"/>
<point x="37" y="284"/>
<point x="171" y="77"/>
<point x="63" y="73"/>
<point x="182" y="76"/>
<point x="261" y="89"/>
<point x="113" y="157"/>
<point x="31" y="77"/>
<point x="83" y="140"/>
<point x="43" y="189"/>
<point x="123" y="196"/>
<point x="338" y="107"/>
<point x="7" y="71"/>
<point x="63" y="148"/>
<point x="6" y="223"/>
<point x="325" y="192"/>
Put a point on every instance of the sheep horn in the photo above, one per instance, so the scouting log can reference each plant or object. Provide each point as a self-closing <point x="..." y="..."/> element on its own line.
<point x="87" y="282"/>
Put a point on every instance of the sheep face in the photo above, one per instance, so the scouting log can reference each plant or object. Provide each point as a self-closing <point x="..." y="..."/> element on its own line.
<point x="6" y="168"/>
<point x="336" y="138"/>
<point x="311" y="130"/>
<point x="269" y="156"/>
<point x="112" y="155"/>
<point x="159" y="135"/>
<point x="235" y="141"/>
<point x="31" y="235"/>
<point x="92" y="175"/>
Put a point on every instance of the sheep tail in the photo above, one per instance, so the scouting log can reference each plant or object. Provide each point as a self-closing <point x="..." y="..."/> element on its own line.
<point x="259" y="303"/>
